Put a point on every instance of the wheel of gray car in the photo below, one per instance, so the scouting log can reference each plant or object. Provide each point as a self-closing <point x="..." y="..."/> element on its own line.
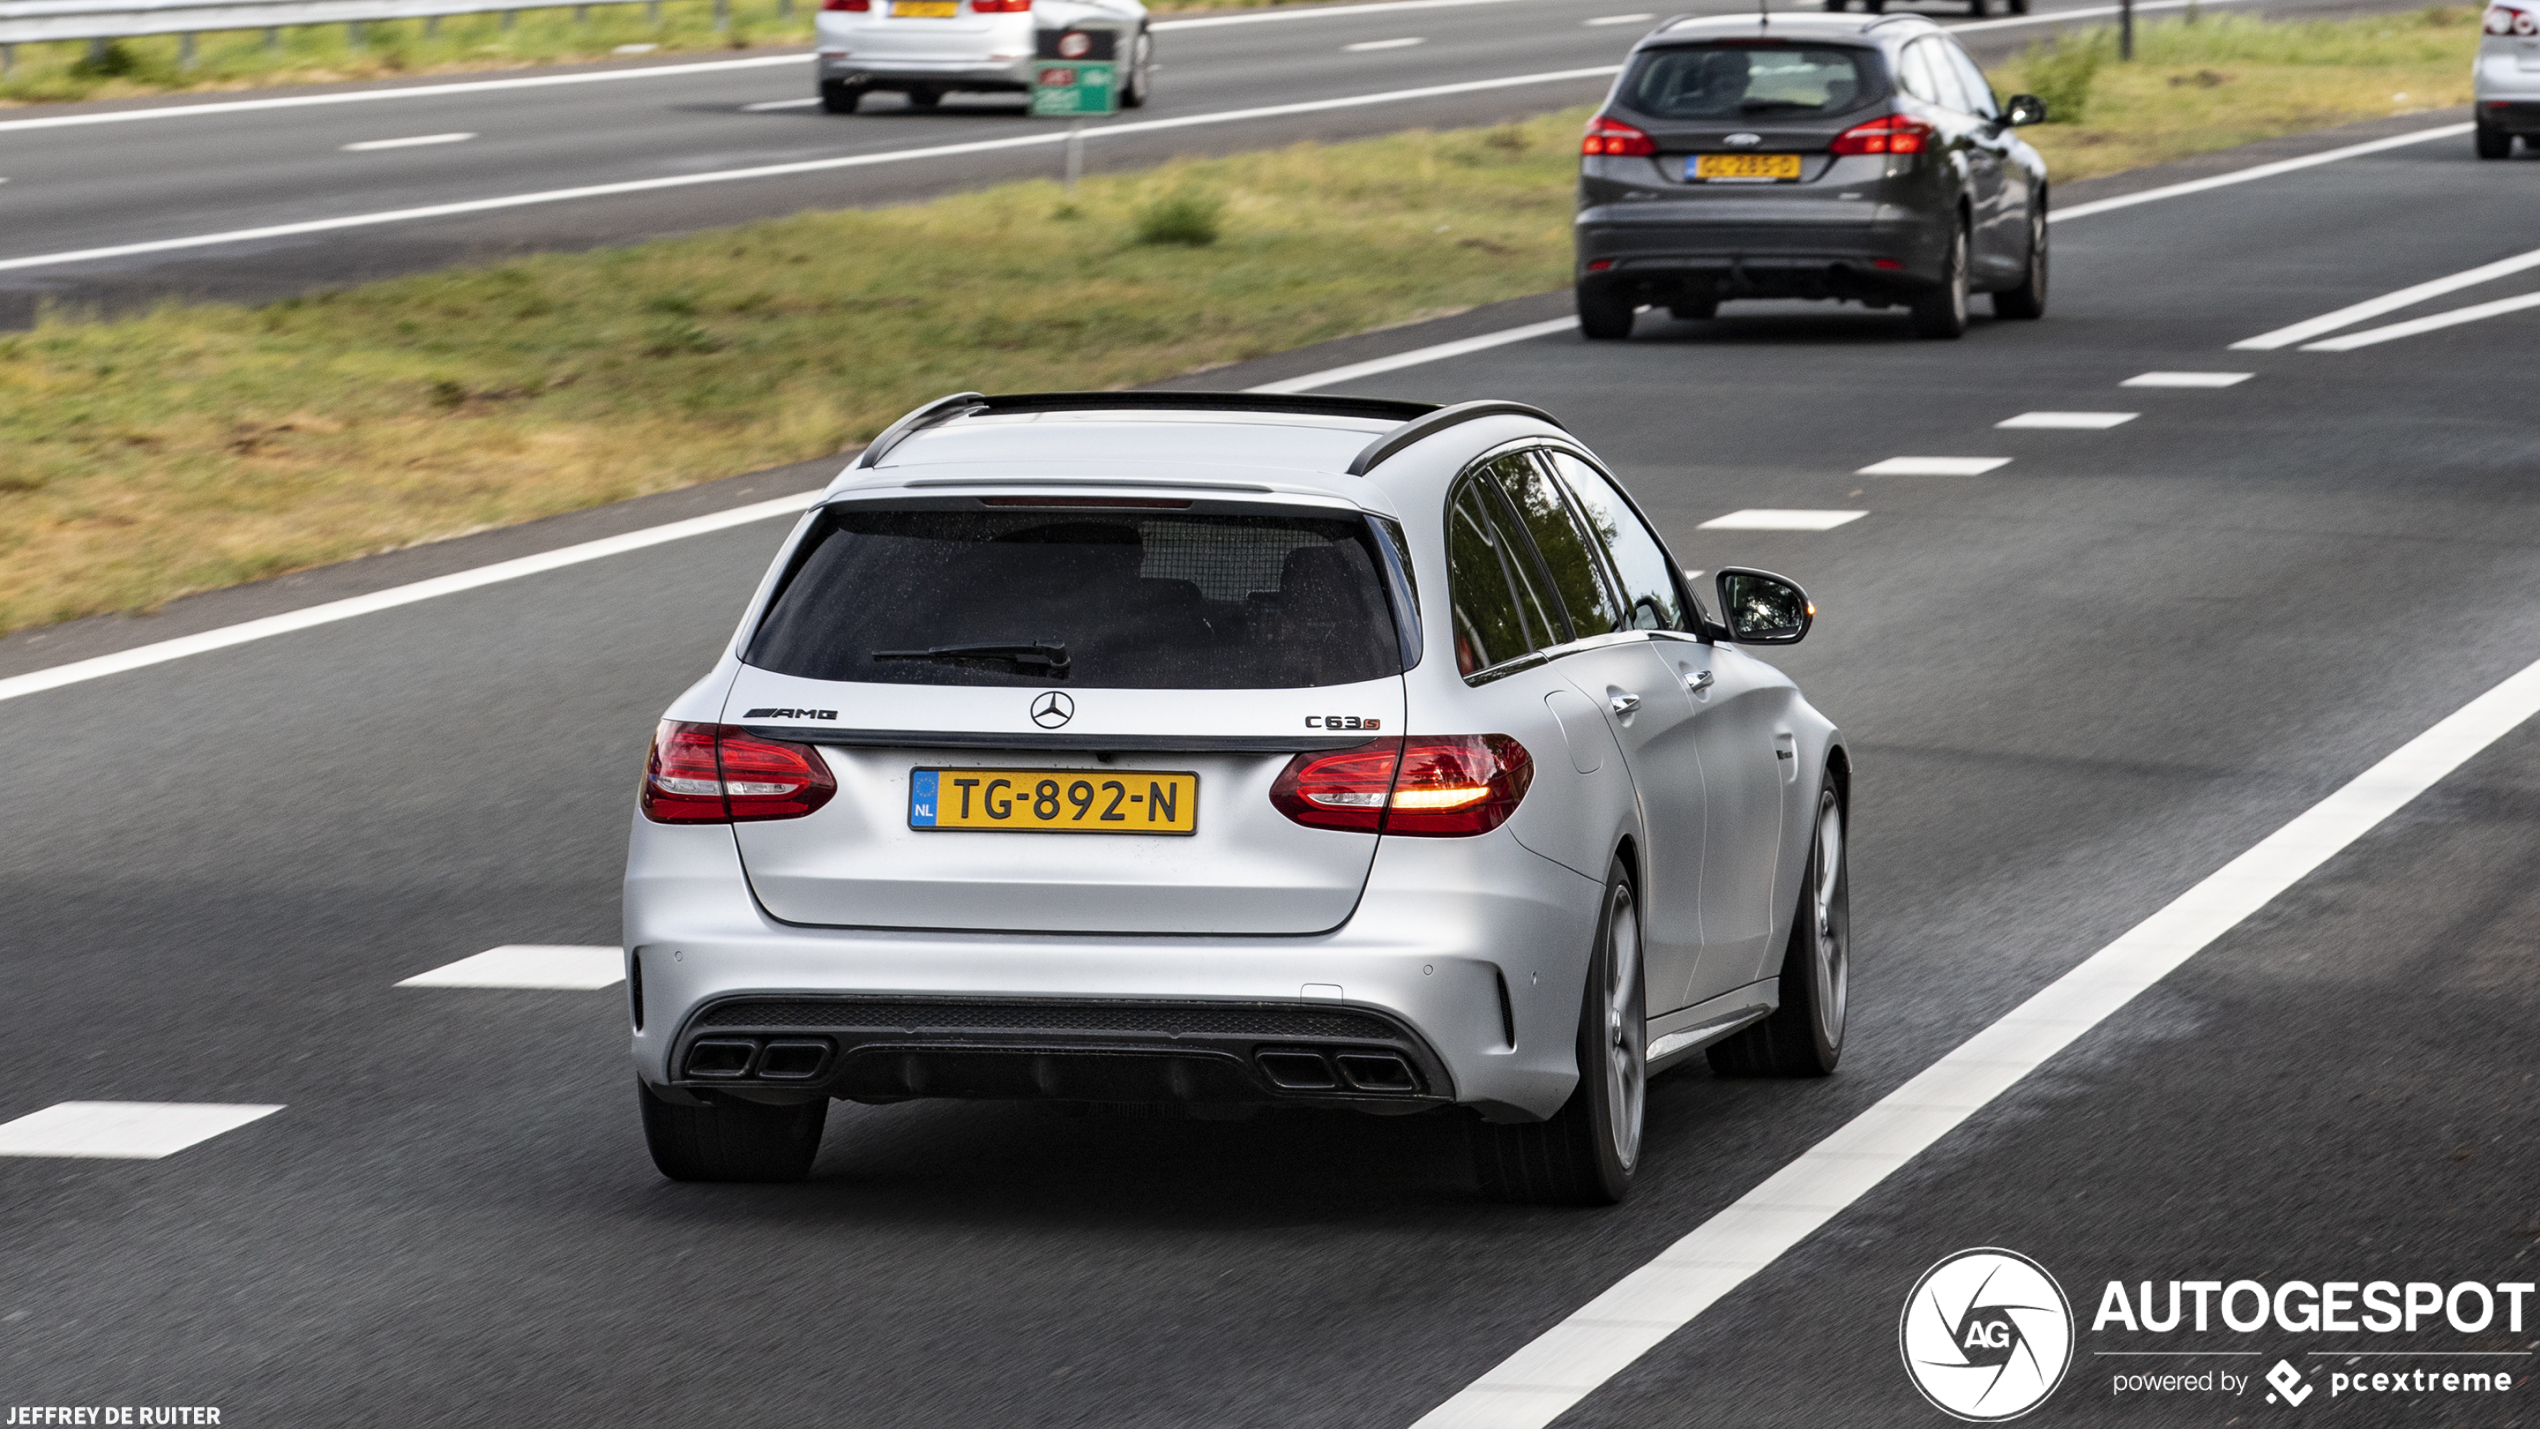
<point x="1604" y="315"/>
<point x="1804" y="1036"/>
<point x="2494" y="143"/>
<point x="1942" y="311"/>
<point x="1141" y="73"/>
<point x="924" y="98"/>
<point x="839" y="97"/>
<point x="2028" y="300"/>
<point x="1586" y="1153"/>
<point x="1977" y="8"/>
<point x="1837" y="6"/>
<point x="731" y="1140"/>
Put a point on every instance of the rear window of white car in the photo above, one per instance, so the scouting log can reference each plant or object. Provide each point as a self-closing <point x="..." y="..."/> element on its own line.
<point x="1750" y="82"/>
<point x="1102" y="598"/>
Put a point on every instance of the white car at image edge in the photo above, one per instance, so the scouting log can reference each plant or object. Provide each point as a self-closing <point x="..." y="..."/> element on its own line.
<point x="1222" y="751"/>
<point x="926" y="49"/>
<point x="2505" y="84"/>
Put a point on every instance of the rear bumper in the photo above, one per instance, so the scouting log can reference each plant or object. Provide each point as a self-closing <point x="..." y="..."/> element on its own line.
<point x="2513" y="116"/>
<point x="1408" y="1004"/>
<point x="1886" y="251"/>
<point x="885" y="72"/>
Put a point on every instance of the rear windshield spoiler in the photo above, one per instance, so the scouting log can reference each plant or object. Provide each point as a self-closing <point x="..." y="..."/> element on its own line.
<point x="967" y="404"/>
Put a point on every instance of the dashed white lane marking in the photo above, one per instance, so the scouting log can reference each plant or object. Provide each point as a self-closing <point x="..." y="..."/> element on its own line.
<point x="1636" y="18"/>
<point x="2352" y="314"/>
<point x="545" y="965"/>
<point x="2432" y="322"/>
<point x="415" y="142"/>
<point x="766" y="105"/>
<point x="2187" y="379"/>
<point x="2066" y="421"/>
<point x="1565" y="1364"/>
<point x="1769" y="518"/>
<point x="1418" y="356"/>
<point x="1934" y="466"/>
<point x="122" y="1131"/>
<point x="1363" y="46"/>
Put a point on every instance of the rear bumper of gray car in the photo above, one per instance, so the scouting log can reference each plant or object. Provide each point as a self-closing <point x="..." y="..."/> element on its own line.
<point x="1665" y="250"/>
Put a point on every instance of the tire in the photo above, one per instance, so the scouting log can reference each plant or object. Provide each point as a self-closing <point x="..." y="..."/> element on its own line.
<point x="1875" y="7"/>
<point x="1804" y="1036"/>
<point x="1941" y="312"/>
<point x="2494" y="143"/>
<point x="2028" y="300"/>
<point x="925" y="98"/>
<point x="1836" y="7"/>
<point x="1977" y="8"/>
<point x="1141" y="73"/>
<point x="728" y="1140"/>
<point x="839" y="97"/>
<point x="1694" y="310"/>
<point x="1604" y="315"/>
<point x="1585" y="1155"/>
<point x="2019" y="7"/>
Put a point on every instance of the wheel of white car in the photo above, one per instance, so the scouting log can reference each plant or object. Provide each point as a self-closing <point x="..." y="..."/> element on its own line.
<point x="1804" y="1037"/>
<point x="726" y="1139"/>
<point x="1141" y="73"/>
<point x="1586" y="1154"/>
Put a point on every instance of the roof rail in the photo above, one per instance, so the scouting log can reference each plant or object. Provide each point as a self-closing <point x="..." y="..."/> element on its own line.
<point x="1438" y="421"/>
<point x="963" y="404"/>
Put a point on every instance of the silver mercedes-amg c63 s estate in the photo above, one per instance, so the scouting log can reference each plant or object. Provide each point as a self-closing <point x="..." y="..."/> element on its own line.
<point x="1224" y="751"/>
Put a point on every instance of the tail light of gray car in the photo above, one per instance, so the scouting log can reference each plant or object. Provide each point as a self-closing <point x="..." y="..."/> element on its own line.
<point x="716" y="774"/>
<point x="1890" y="134"/>
<point x="1613" y="136"/>
<point x="1430" y="786"/>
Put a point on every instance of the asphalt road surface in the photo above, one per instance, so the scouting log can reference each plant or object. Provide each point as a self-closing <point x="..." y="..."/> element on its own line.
<point x="217" y="175"/>
<point x="2076" y="685"/>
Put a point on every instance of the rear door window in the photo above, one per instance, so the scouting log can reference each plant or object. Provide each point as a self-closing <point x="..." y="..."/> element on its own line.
<point x="1102" y="598"/>
<point x="1917" y="76"/>
<point x="1748" y="82"/>
<point x="1569" y="556"/>
<point x="1651" y="599"/>
<point x="1977" y="90"/>
<point x="1491" y="582"/>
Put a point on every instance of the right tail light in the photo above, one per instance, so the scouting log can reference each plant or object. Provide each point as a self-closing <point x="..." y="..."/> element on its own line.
<point x="1428" y="786"/>
<point x="846" y="4"/>
<point x="1613" y="136"/>
<point x="1892" y="134"/>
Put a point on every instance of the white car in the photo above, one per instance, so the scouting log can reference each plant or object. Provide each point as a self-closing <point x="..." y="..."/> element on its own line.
<point x="926" y="49"/>
<point x="2505" y="86"/>
<point x="1218" y="751"/>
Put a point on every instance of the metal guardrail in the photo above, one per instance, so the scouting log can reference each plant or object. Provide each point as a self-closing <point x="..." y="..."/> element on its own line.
<point x="25" y="22"/>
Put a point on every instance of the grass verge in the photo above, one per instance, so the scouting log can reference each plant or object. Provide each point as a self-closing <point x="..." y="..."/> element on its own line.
<point x="200" y="446"/>
<point x="325" y="54"/>
<point x="2224" y="80"/>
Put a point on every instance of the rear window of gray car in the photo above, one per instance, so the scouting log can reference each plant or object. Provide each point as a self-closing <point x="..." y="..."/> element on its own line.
<point x="1098" y="598"/>
<point x="1748" y="82"/>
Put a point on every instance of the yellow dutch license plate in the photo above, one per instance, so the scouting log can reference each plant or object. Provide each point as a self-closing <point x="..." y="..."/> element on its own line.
<point x="925" y="9"/>
<point x="1746" y="166"/>
<point x="1054" y="801"/>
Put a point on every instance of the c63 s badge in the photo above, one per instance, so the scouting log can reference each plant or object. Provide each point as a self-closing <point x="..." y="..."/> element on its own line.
<point x="1342" y="722"/>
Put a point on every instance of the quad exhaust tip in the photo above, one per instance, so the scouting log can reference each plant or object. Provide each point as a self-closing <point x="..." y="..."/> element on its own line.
<point x="1302" y="1070"/>
<point x="727" y="1059"/>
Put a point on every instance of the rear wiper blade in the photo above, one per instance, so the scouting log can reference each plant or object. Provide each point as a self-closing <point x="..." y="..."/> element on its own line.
<point x="1758" y="106"/>
<point x="1047" y="656"/>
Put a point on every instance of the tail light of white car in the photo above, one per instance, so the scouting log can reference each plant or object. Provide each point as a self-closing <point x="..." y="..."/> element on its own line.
<point x="1433" y="786"/>
<point x="1892" y="134"/>
<point x="2511" y="20"/>
<point x="715" y="774"/>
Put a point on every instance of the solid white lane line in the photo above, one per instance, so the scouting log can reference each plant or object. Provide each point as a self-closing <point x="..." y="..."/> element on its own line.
<point x="1934" y="466"/>
<point x="1639" y="17"/>
<point x="1568" y="1362"/>
<point x="766" y="105"/>
<point x="418" y="141"/>
<point x="2187" y="379"/>
<point x="2348" y="316"/>
<point x="122" y="1131"/>
<point x="2066" y="421"/>
<point x="1363" y="46"/>
<point x="143" y="656"/>
<point x="1315" y="12"/>
<point x="2432" y="322"/>
<point x="1418" y="356"/>
<point x="1769" y="518"/>
<point x="2258" y="171"/>
<point x="420" y="91"/>
<point x="538" y="965"/>
<point x="805" y="166"/>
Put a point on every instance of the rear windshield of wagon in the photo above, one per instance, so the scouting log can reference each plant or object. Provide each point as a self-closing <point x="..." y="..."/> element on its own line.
<point x="1751" y="83"/>
<point x="1099" y="597"/>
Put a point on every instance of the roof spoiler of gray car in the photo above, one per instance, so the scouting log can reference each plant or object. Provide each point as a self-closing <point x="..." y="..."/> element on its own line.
<point x="1434" y="422"/>
<point x="963" y="404"/>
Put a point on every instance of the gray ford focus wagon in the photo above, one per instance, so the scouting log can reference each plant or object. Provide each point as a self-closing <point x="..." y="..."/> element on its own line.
<point x="1862" y="159"/>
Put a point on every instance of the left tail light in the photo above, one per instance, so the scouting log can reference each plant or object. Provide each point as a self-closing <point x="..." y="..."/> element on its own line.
<point x="1613" y="136"/>
<point x="1430" y="786"/>
<point x="716" y="773"/>
<point x="846" y="4"/>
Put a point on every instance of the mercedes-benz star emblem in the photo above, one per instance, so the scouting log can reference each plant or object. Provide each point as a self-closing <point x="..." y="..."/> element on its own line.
<point x="1050" y="709"/>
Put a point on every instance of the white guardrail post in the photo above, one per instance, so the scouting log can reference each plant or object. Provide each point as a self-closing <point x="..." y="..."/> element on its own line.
<point x="27" y="22"/>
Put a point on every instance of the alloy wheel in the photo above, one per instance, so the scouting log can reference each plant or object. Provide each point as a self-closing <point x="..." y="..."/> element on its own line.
<point x="1626" y="1027"/>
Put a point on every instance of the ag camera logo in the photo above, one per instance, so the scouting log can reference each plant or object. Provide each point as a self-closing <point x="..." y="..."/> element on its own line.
<point x="1986" y="1335"/>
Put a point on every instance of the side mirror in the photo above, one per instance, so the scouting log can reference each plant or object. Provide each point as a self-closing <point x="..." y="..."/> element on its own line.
<point x="2024" y="110"/>
<point x="1761" y="608"/>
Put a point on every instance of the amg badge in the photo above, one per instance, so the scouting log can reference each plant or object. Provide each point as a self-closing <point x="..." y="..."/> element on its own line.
<point x="790" y="714"/>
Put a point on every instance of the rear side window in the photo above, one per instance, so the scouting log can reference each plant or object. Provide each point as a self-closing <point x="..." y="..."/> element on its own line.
<point x="1567" y="557"/>
<point x="1972" y="85"/>
<point x="1648" y="576"/>
<point x="1749" y="81"/>
<point x="1096" y="598"/>
<point x="1499" y="607"/>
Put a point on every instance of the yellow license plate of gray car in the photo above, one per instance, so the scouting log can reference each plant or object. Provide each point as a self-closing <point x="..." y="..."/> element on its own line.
<point x="925" y="9"/>
<point x="1746" y="166"/>
<point x="1054" y="801"/>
